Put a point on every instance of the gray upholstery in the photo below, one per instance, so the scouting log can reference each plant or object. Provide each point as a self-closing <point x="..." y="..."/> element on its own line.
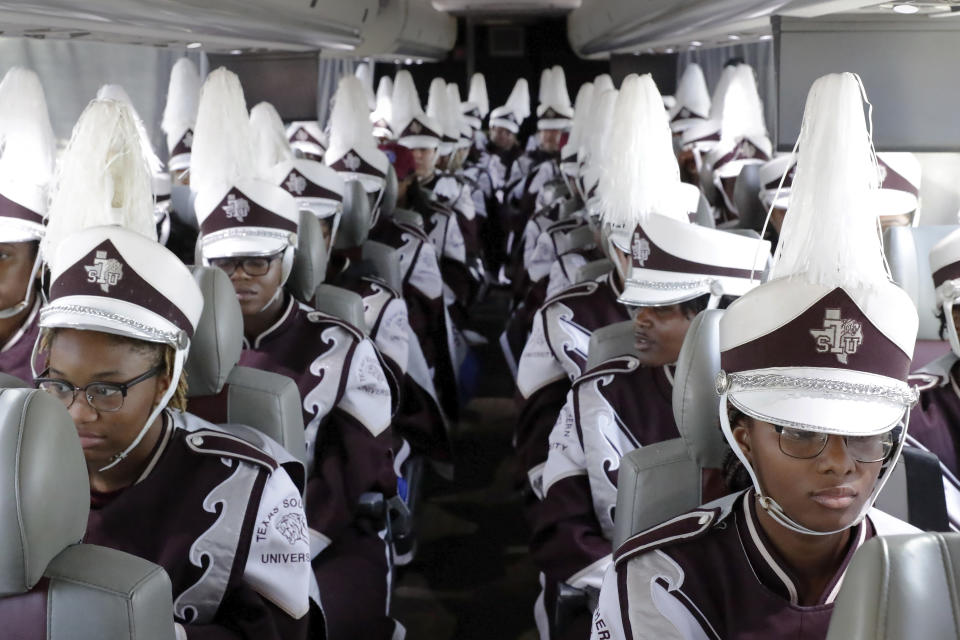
<point x="746" y="196"/>
<point x="8" y="381"/>
<point x="218" y="340"/>
<point x="569" y="207"/>
<point x="44" y="493"/>
<point x="264" y="400"/>
<point x="388" y="202"/>
<point x="900" y="588"/>
<point x="663" y="480"/>
<point x="356" y="219"/>
<point x="579" y="238"/>
<point x="310" y="259"/>
<point x="614" y="340"/>
<point x="908" y="252"/>
<point x="340" y="303"/>
<point x="704" y="215"/>
<point x="406" y="216"/>
<point x="386" y="260"/>
<point x="593" y="270"/>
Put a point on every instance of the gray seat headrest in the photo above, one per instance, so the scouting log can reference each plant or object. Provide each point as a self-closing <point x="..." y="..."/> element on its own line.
<point x="579" y="238"/>
<point x="340" y="303"/>
<point x="908" y="254"/>
<point x="310" y="259"/>
<point x="593" y="270"/>
<point x="386" y="261"/>
<point x="391" y="190"/>
<point x="181" y="201"/>
<point x="614" y="340"/>
<point x="406" y="216"/>
<point x="704" y="215"/>
<point x="44" y="491"/>
<point x="746" y="196"/>
<point x="569" y="207"/>
<point x="8" y="381"/>
<point x="898" y="587"/>
<point x="695" y="402"/>
<point x="356" y="218"/>
<point x="218" y="340"/>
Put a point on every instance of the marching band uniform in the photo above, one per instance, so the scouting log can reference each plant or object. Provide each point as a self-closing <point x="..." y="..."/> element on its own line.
<point x="795" y="351"/>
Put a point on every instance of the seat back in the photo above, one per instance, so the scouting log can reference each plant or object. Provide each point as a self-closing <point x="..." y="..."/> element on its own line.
<point x="593" y="270"/>
<point x="310" y="260"/>
<point x="914" y="491"/>
<point x="391" y="188"/>
<point x="900" y="587"/>
<point x="578" y="238"/>
<point x="704" y="215"/>
<point x="386" y="261"/>
<point x="746" y="196"/>
<point x="223" y="393"/>
<point x="8" y="381"/>
<point x="340" y="303"/>
<point x="614" y="340"/>
<point x="406" y="216"/>
<point x="356" y="219"/>
<point x="663" y="480"/>
<point x="51" y="587"/>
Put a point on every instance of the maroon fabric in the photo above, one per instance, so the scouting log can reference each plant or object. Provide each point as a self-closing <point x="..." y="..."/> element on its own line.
<point x="15" y="360"/>
<point x="894" y="180"/>
<point x="948" y="272"/>
<point x="935" y="424"/>
<point x="11" y="209"/>
<point x="300" y="186"/>
<point x="687" y="114"/>
<point x="813" y="340"/>
<point x="184" y="144"/>
<point x="417" y="128"/>
<point x="354" y="162"/>
<point x="24" y="617"/>
<point x="787" y="182"/>
<point x="744" y="150"/>
<point x="93" y="275"/>
<point x="302" y="135"/>
<point x="212" y="408"/>
<point x="401" y="158"/>
<point x="239" y="210"/>
<point x="653" y="256"/>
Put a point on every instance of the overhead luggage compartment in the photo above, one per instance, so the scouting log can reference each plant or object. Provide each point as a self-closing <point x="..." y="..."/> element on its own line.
<point x="405" y="29"/>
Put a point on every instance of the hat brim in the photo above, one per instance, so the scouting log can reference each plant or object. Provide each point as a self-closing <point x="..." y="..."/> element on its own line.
<point x="554" y="124"/>
<point x="651" y="288"/>
<point x="419" y="142"/>
<point x="236" y="246"/>
<point x="109" y="315"/>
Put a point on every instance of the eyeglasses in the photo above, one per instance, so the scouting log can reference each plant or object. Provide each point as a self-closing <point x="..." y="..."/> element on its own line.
<point x="798" y="443"/>
<point x="102" y="396"/>
<point x="251" y="265"/>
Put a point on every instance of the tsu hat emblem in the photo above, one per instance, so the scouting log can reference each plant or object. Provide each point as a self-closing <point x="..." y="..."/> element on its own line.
<point x="236" y="208"/>
<point x="838" y="336"/>
<point x="104" y="271"/>
<point x="302" y="135"/>
<point x="641" y="249"/>
<point x="351" y="161"/>
<point x="188" y="139"/>
<point x="296" y="184"/>
<point x="415" y="127"/>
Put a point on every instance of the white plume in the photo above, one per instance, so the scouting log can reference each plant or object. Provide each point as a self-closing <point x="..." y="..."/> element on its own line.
<point x="103" y="177"/>
<point x="437" y="106"/>
<point x="478" y="94"/>
<point x="519" y="99"/>
<point x="116" y="92"/>
<point x="455" y="112"/>
<point x="581" y="115"/>
<point x="830" y="237"/>
<point x="546" y="77"/>
<point x="640" y="170"/>
<point x="26" y="135"/>
<point x="743" y="112"/>
<point x="692" y="91"/>
<point x="222" y="150"/>
<point x="720" y="92"/>
<point x="364" y="73"/>
<point x="406" y="102"/>
<point x="183" y="98"/>
<point x="270" y="145"/>
<point x="601" y="109"/>
<point x="384" y="107"/>
<point x="603" y="82"/>
<point x="350" y="126"/>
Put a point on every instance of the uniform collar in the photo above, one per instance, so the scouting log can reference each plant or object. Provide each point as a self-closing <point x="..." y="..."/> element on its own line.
<point x="769" y="567"/>
<point x="275" y="327"/>
<point x="24" y="328"/>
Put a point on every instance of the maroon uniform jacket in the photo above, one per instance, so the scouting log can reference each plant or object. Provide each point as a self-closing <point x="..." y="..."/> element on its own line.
<point x="15" y="354"/>
<point x="226" y="522"/>
<point x="347" y="413"/>
<point x="713" y="574"/>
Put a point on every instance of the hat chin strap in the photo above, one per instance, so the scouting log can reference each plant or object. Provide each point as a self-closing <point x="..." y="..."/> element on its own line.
<point x="178" y="362"/>
<point x="951" y="326"/>
<point x="10" y="312"/>
<point x="774" y="510"/>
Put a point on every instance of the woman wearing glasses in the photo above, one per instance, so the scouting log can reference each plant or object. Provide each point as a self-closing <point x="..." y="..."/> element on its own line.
<point x="813" y="397"/>
<point x="26" y="166"/>
<point x="222" y="517"/>
<point x="248" y="229"/>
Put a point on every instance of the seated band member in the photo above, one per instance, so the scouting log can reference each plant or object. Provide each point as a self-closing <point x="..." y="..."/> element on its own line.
<point x="26" y="168"/>
<point x="222" y="517"/>
<point x="813" y="397"/>
<point x="248" y="229"/>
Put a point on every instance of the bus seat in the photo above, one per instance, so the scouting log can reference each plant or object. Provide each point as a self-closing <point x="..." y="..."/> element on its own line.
<point x="356" y="219"/>
<point x="664" y="479"/>
<point x="391" y="190"/>
<point x="900" y="587"/>
<point x="593" y="270"/>
<point x="340" y="303"/>
<point x="224" y="393"/>
<point x="611" y="341"/>
<point x="50" y="586"/>
<point x="406" y="216"/>
<point x="578" y="238"/>
<point x="704" y="215"/>
<point x="386" y="262"/>
<point x="746" y="195"/>
<point x="8" y="381"/>
<point x="310" y="260"/>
